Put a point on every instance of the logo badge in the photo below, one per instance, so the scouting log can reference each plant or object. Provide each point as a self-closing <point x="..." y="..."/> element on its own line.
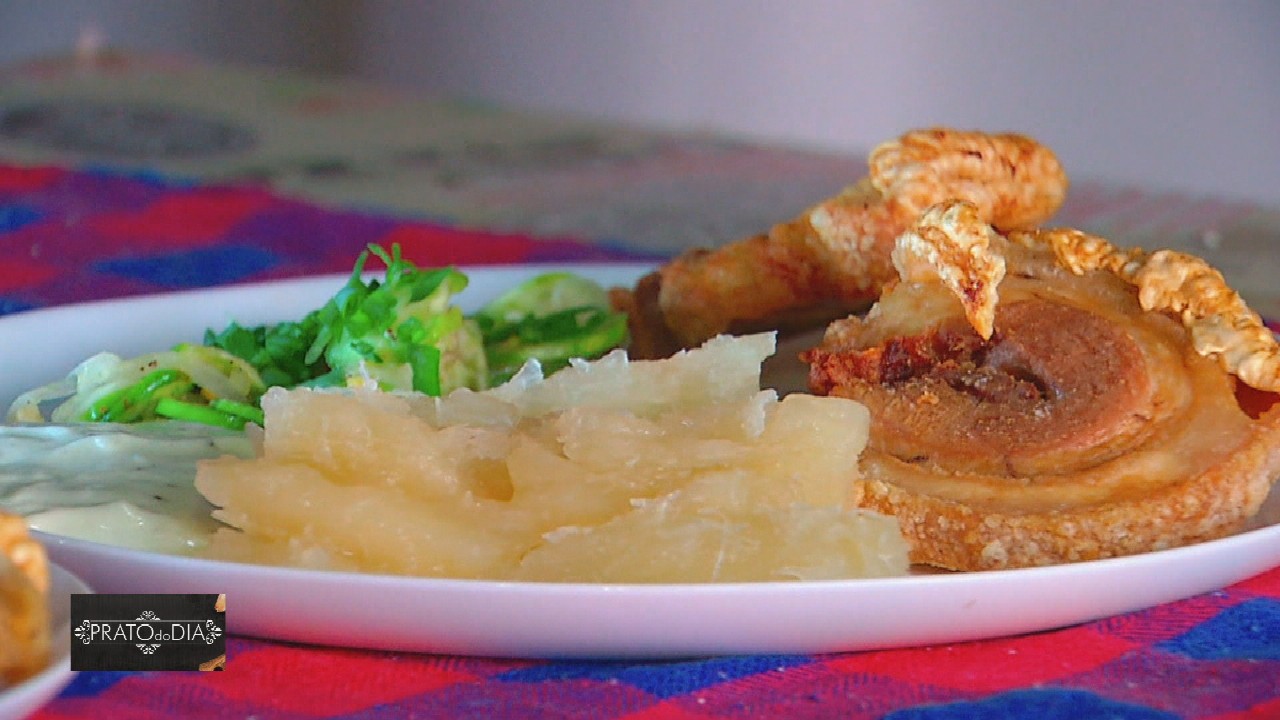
<point x="148" y="632"/>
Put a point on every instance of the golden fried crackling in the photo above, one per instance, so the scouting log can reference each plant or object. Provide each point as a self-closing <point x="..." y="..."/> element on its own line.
<point x="1093" y="422"/>
<point x="22" y="551"/>
<point x="835" y="256"/>
<point x="951" y="245"/>
<point x="1222" y="326"/>
<point x="24" y="612"/>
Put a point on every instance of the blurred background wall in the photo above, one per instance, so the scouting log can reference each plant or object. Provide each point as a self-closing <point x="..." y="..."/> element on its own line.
<point x="1175" y="94"/>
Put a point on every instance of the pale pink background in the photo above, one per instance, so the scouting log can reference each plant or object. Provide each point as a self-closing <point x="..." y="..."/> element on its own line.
<point x="1170" y="95"/>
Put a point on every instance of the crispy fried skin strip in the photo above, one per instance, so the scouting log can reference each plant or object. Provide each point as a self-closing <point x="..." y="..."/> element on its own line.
<point x="950" y="244"/>
<point x="838" y="252"/>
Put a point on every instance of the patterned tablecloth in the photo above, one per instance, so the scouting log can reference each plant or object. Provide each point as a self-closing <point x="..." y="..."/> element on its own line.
<point x="123" y="176"/>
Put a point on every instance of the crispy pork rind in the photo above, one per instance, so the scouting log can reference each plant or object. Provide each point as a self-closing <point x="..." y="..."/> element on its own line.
<point x="1012" y="180"/>
<point x="1103" y="416"/>
<point x="1222" y="326"/>
<point x="24" y="611"/>
<point x="951" y="245"/>
<point x="835" y="256"/>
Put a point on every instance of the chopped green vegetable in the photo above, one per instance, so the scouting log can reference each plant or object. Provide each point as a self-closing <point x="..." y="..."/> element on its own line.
<point x="251" y="413"/>
<point x="401" y="332"/>
<point x="543" y="294"/>
<point x="402" y="326"/>
<point x="108" y="388"/>
<point x="278" y="352"/>
<point x="137" y="401"/>
<point x="196" y="413"/>
<point x="553" y="318"/>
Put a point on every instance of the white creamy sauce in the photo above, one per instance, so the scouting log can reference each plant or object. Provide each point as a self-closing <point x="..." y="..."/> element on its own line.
<point x="126" y="485"/>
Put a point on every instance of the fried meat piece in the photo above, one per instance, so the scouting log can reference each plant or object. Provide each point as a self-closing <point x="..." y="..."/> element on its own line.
<point x="835" y="257"/>
<point x="1099" y="413"/>
<point x="24" y="612"/>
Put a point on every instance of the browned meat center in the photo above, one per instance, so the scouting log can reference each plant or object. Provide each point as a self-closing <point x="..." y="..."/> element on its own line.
<point x="1055" y="385"/>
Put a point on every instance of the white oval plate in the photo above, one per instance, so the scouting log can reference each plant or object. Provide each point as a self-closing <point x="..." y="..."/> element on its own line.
<point x="28" y="696"/>
<point x="579" y="620"/>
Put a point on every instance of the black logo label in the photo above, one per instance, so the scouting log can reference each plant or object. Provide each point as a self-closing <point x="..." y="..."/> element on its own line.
<point x="148" y="632"/>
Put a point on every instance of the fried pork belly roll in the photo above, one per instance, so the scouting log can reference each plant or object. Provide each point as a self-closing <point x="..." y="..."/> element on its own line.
<point x="1046" y="397"/>
<point x="834" y="257"/>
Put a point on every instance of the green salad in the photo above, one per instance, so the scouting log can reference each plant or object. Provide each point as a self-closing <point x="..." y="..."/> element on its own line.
<point x="399" y="333"/>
